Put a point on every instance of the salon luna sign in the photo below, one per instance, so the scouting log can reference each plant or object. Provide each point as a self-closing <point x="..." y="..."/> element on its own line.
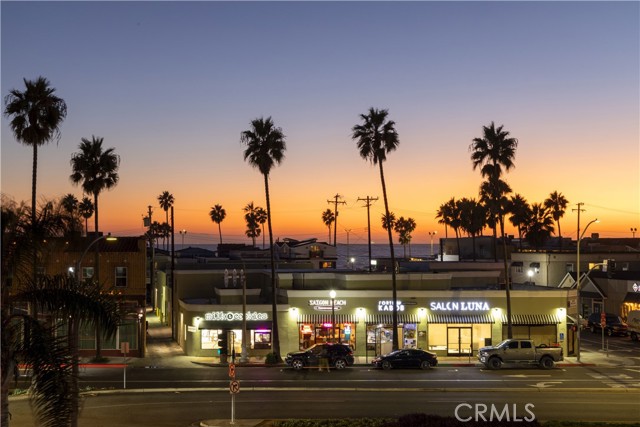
<point x="459" y="306"/>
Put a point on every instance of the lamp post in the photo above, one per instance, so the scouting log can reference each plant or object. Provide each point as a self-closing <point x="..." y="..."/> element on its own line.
<point x="332" y="294"/>
<point x="633" y="232"/>
<point x="431" y="234"/>
<point x="579" y="301"/>
<point x="79" y="263"/>
<point x="244" y="357"/>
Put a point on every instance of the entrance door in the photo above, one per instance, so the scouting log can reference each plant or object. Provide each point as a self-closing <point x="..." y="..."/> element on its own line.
<point x="458" y="341"/>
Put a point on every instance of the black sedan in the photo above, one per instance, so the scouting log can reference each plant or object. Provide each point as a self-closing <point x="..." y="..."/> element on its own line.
<point x="406" y="358"/>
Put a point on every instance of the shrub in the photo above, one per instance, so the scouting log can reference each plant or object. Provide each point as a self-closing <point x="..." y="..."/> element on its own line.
<point x="271" y="359"/>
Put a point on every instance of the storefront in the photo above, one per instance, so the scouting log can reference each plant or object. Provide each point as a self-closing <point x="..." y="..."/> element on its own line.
<point x="449" y="323"/>
<point x="216" y="330"/>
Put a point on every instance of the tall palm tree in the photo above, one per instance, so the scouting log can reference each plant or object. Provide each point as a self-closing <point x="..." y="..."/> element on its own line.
<point x="97" y="170"/>
<point x="217" y="215"/>
<point x="69" y="204"/>
<point x="265" y="147"/>
<point x="261" y="218"/>
<point x="539" y="226"/>
<point x="376" y="137"/>
<point x="444" y="215"/>
<point x="328" y="218"/>
<point x="492" y="153"/>
<point x="165" y="200"/>
<point x="36" y="116"/>
<point x="557" y="204"/>
<point x="252" y="223"/>
<point x="520" y="214"/>
<point x="85" y="209"/>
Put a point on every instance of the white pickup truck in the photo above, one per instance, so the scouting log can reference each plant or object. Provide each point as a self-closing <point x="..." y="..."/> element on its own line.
<point x="519" y="351"/>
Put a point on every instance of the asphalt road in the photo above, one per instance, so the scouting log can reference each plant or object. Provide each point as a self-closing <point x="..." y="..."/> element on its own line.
<point x="159" y="409"/>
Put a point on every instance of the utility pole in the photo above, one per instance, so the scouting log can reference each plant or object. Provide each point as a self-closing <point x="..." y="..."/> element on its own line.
<point x="335" y="202"/>
<point x="152" y="247"/>
<point x="368" y="201"/>
<point x="348" y="230"/>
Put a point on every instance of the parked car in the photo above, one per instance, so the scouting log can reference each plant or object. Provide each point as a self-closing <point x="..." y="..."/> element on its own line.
<point x="614" y="324"/>
<point x="519" y="351"/>
<point x="406" y="358"/>
<point x="339" y="356"/>
<point x="633" y="324"/>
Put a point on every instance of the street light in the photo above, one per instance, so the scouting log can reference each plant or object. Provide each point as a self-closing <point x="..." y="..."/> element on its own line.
<point x="79" y="263"/>
<point x="633" y="231"/>
<point x="332" y="294"/>
<point x="431" y="234"/>
<point x="579" y="302"/>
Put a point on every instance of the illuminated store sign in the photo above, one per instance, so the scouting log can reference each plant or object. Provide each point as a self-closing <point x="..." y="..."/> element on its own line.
<point x="229" y="316"/>
<point x="388" y="305"/>
<point x="460" y="306"/>
<point x="326" y="302"/>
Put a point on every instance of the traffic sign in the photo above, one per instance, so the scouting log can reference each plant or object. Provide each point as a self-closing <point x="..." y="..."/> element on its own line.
<point x="603" y="319"/>
<point x="234" y="387"/>
<point x="232" y="371"/>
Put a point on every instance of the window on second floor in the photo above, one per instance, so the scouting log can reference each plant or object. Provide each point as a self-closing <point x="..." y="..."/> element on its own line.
<point x="121" y="277"/>
<point x="87" y="272"/>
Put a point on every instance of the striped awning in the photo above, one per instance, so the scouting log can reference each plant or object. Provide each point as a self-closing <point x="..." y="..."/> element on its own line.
<point x="532" y="319"/>
<point x="387" y="319"/>
<point x="459" y="318"/>
<point x="326" y="318"/>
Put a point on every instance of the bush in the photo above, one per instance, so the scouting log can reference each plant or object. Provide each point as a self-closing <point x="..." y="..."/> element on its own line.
<point x="272" y="359"/>
<point x="424" y="420"/>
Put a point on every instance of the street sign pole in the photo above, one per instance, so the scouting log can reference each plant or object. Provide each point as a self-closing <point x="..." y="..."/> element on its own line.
<point x="603" y="325"/>
<point x="234" y="388"/>
<point x="124" y="348"/>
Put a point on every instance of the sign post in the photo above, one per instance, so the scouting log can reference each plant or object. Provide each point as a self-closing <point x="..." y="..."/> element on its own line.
<point x="603" y="325"/>
<point x="234" y="388"/>
<point x="124" y="349"/>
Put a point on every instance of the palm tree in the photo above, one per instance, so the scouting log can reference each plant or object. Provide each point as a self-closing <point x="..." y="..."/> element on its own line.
<point x="97" y="170"/>
<point x="539" y="226"/>
<point x="492" y="153"/>
<point x="376" y="137"/>
<point x="261" y="218"/>
<point x="557" y="204"/>
<point x="404" y="227"/>
<point x="26" y="339"/>
<point x="69" y="204"/>
<point x="36" y="115"/>
<point x="217" y="215"/>
<point x="444" y="215"/>
<point x="473" y="218"/>
<point x="328" y="218"/>
<point x="165" y="200"/>
<point x="252" y="222"/>
<point x="265" y="147"/>
<point x="520" y="213"/>
<point x="85" y="209"/>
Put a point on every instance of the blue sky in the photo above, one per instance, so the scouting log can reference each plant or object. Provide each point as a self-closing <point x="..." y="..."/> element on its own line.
<point x="171" y="85"/>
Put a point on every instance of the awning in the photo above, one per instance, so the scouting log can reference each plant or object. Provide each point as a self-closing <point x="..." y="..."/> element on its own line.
<point x="532" y="319"/>
<point x="459" y="318"/>
<point x="236" y="324"/>
<point x="632" y="297"/>
<point x="326" y="318"/>
<point x="387" y="319"/>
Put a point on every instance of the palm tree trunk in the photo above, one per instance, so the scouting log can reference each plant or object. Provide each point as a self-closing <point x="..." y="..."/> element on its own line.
<point x="559" y="233"/>
<point x="220" y="232"/>
<point x="97" y="274"/>
<point x="274" y="285"/>
<point x="263" y="235"/>
<point x="507" y="285"/>
<point x="495" y="239"/>
<point x="74" y="328"/>
<point x="34" y="178"/>
<point x="473" y="243"/>
<point x="394" y="335"/>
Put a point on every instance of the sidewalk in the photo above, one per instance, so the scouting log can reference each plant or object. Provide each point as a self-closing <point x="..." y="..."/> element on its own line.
<point x="163" y="352"/>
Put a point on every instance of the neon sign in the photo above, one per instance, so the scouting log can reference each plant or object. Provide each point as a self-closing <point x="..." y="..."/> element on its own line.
<point x="388" y="306"/>
<point x="460" y="306"/>
<point x="229" y="316"/>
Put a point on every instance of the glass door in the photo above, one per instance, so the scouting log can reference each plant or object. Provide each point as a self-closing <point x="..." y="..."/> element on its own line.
<point x="459" y="340"/>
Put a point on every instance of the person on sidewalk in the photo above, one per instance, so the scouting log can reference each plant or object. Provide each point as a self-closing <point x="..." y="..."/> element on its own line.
<point x="324" y="360"/>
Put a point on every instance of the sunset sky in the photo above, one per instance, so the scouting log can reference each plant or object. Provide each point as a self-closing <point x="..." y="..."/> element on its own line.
<point x="171" y="85"/>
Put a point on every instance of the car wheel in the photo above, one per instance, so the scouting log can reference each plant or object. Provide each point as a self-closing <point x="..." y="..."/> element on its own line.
<point x="609" y="332"/>
<point x="547" y="363"/>
<point x="634" y="336"/>
<point x="340" y="364"/>
<point x="495" y="363"/>
<point x="297" y="364"/>
<point x="425" y="364"/>
<point x="386" y="365"/>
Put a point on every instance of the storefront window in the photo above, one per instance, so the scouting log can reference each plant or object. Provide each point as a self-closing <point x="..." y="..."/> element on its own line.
<point x="539" y="334"/>
<point x="261" y="339"/>
<point x="208" y="339"/>
<point x="410" y="335"/>
<point x="310" y="334"/>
